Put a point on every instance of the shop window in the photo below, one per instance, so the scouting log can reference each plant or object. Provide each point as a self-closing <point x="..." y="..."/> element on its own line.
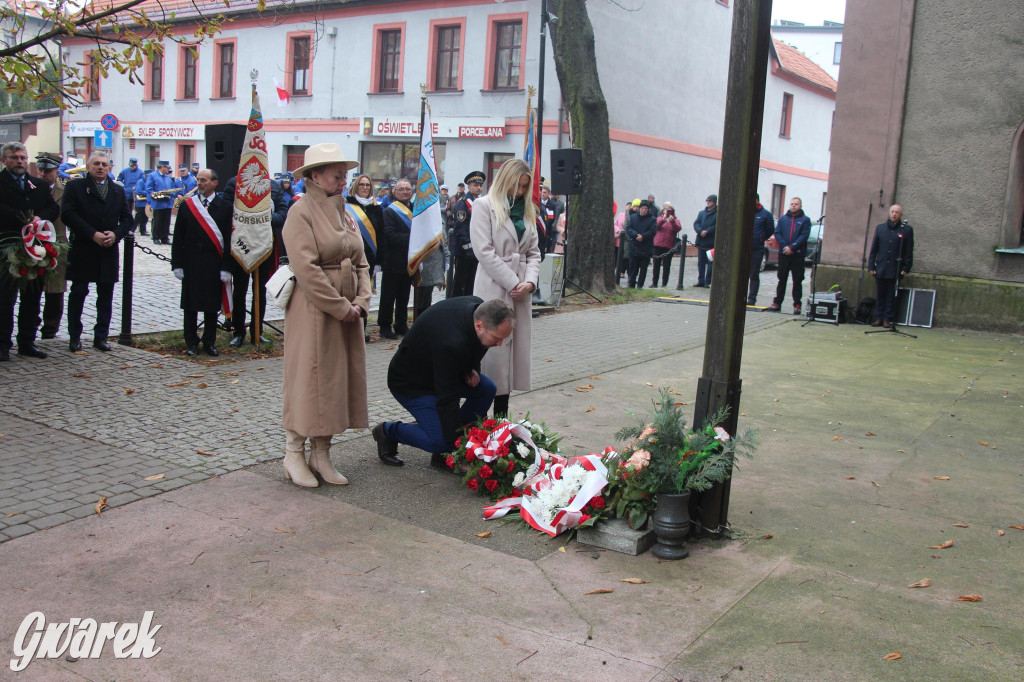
<point x="387" y="161"/>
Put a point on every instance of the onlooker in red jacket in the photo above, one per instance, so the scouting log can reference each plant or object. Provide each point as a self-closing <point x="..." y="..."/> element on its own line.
<point x="668" y="227"/>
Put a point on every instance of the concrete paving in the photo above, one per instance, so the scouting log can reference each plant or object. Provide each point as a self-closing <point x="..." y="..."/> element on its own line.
<point x="253" y="578"/>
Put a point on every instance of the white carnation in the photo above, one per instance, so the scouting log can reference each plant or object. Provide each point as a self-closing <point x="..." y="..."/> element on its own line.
<point x="523" y="450"/>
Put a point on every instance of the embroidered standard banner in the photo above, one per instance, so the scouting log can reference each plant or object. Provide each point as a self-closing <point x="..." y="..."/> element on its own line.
<point x="425" y="233"/>
<point x="252" y="240"/>
<point x="361" y="220"/>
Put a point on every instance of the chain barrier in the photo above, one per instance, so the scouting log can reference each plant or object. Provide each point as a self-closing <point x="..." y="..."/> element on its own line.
<point x="151" y="252"/>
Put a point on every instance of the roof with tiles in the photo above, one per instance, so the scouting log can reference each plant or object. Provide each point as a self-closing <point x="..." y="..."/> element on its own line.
<point x="796" y="63"/>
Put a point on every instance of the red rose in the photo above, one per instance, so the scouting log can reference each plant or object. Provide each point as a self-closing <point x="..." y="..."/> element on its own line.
<point x="470" y="456"/>
<point x="486" y="471"/>
<point x="473" y="483"/>
<point x="511" y="466"/>
<point x="597" y="502"/>
<point x="458" y="441"/>
<point x="450" y="461"/>
<point x="491" y="485"/>
<point x="584" y="519"/>
<point x="22" y="271"/>
<point x="502" y="450"/>
<point x="490" y="423"/>
<point x="479" y="435"/>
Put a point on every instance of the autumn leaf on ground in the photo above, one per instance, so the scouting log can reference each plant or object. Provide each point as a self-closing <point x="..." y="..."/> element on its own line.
<point x="922" y="583"/>
<point x="195" y="376"/>
<point x="234" y="381"/>
<point x="200" y="451"/>
<point x="201" y="385"/>
<point x="893" y="656"/>
<point x="870" y="433"/>
<point x="837" y="437"/>
<point x="81" y="352"/>
<point x="392" y="346"/>
<point x="945" y="545"/>
<point x="969" y="597"/>
<point x="180" y="383"/>
<point x="875" y="484"/>
<point x="154" y="477"/>
<point x="592" y="410"/>
<point x="902" y="451"/>
<point x="1000" y="533"/>
<point x="593" y="376"/>
<point x="550" y="360"/>
<point x="960" y="525"/>
<point x="229" y="374"/>
<point x="562" y="550"/>
<point x="649" y="383"/>
<point x="284" y="530"/>
<point x="674" y="393"/>
<point x="584" y="389"/>
<point x="1016" y="527"/>
<point x="982" y="442"/>
<point x="941" y="478"/>
<point x="851" y="478"/>
<point x="101" y="504"/>
<point x="485" y="534"/>
<point x="600" y="590"/>
<point x="128" y="391"/>
<point x="82" y="376"/>
<point x="634" y="581"/>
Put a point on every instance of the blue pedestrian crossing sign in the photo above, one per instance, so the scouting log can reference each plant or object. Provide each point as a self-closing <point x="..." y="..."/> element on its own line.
<point x="103" y="139"/>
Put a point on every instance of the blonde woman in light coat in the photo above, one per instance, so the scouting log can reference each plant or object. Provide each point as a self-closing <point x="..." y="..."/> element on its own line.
<point x="503" y="231"/>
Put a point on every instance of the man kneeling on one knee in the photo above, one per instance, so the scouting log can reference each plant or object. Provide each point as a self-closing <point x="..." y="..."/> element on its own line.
<point x="436" y="366"/>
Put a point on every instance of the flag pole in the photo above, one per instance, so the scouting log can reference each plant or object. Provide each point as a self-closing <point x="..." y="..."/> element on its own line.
<point x="256" y="321"/>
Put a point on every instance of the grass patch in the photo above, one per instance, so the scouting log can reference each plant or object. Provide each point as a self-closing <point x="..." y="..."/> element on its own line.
<point x="172" y="344"/>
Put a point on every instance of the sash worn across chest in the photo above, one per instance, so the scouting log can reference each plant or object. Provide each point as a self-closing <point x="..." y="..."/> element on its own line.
<point x="361" y="220"/>
<point x="403" y="211"/>
<point x="202" y="215"/>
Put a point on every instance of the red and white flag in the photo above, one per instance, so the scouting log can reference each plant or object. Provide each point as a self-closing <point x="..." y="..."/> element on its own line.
<point x="283" y="98"/>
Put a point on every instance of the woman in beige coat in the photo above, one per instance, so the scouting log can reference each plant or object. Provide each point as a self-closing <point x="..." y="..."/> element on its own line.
<point x="324" y="351"/>
<point x="503" y="230"/>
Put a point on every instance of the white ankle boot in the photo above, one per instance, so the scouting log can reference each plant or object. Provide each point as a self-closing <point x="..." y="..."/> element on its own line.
<point x="320" y="461"/>
<point x="295" y="461"/>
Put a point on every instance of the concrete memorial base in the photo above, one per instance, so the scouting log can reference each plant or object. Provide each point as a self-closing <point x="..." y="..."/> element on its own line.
<point x="617" y="536"/>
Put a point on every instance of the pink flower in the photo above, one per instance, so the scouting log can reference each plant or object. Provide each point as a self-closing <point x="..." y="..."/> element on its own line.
<point x="648" y="431"/>
<point x="721" y="434"/>
<point x="639" y="459"/>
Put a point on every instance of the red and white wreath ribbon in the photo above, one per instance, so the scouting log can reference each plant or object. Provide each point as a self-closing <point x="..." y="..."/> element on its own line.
<point x="34" y="235"/>
<point x="566" y="517"/>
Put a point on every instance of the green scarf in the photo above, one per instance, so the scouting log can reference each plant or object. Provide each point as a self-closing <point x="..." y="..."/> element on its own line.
<point x="516" y="214"/>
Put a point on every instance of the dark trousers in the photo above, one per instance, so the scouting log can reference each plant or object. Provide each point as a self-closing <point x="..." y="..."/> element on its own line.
<point x="104" y="306"/>
<point x="28" y="312"/>
<point x="638" y="270"/>
<point x="238" y="308"/>
<point x="793" y="263"/>
<point x="141" y="219"/>
<point x="465" y="274"/>
<point x="426" y="433"/>
<point x="703" y="266"/>
<point x="885" y="298"/>
<point x="663" y="263"/>
<point x="192" y="328"/>
<point x="421" y="299"/>
<point x="53" y="310"/>
<point x="756" y="256"/>
<point x="394" y="301"/>
<point x="161" y="224"/>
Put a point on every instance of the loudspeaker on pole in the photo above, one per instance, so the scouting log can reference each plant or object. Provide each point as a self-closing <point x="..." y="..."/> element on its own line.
<point x="566" y="171"/>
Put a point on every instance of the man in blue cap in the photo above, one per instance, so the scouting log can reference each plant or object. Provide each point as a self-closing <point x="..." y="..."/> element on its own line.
<point x="187" y="180"/>
<point x="71" y="162"/>
<point x="128" y="178"/>
<point x="162" y="182"/>
<point x="141" y="203"/>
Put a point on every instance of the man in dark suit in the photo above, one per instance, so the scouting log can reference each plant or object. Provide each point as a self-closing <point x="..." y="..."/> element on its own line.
<point x="22" y="198"/>
<point x="200" y="255"/>
<point x="96" y="212"/>
<point x="436" y="366"/>
<point x="395" y="282"/>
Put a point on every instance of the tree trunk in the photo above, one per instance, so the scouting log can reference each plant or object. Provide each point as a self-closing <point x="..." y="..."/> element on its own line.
<point x="590" y="251"/>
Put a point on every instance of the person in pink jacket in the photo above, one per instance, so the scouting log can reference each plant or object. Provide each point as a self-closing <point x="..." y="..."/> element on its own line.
<point x="668" y="227"/>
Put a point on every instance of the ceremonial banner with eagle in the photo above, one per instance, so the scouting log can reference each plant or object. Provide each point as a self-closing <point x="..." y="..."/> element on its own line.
<point x="425" y="233"/>
<point x="252" y="240"/>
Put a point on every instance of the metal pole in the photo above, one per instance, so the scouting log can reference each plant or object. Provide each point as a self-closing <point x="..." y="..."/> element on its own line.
<point x="741" y="150"/>
<point x="682" y="265"/>
<point x="125" y="337"/>
<point x="540" y="78"/>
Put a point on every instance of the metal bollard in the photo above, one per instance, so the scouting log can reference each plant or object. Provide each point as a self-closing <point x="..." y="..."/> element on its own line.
<point x="682" y="264"/>
<point x="125" y="337"/>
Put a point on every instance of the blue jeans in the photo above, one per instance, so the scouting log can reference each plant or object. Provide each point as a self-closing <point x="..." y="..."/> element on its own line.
<point x="426" y="433"/>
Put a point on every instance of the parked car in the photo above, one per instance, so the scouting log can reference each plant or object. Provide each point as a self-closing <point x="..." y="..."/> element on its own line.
<point x="771" y="248"/>
<point x="771" y="253"/>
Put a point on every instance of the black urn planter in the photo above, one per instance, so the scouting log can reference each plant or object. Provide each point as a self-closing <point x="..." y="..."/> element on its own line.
<point x="671" y="525"/>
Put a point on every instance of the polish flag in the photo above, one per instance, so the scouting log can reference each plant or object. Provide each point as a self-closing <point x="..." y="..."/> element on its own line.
<point x="283" y="98"/>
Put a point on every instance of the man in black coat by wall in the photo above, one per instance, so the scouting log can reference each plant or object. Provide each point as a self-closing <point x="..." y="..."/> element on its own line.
<point x="22" y="197"/>
<point x="200" y="256"/>
<point x="891" y="257"/>
<point x="96" y="213"/>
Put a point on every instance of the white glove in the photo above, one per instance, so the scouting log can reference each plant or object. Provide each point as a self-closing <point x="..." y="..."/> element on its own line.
<point x="179" y="273"/>
<point x="225" y="276"/>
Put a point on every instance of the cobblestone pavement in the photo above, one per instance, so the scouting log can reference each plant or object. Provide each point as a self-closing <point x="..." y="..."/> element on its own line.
<point x="79" y="426"/>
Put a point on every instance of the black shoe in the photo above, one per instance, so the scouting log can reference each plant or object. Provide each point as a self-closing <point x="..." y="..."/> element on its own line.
<point x="773" y="308"/>
<point x="401" y="331"/>
<point x="192" y="351"/>
<point x="797" y="310"/>
<point x="209" y="349"/>
<point x="386" y="333"/>
<point x="237" y="341"/>
<point x="48" y="335"/>
<point x="366" y="338"/>
<point x="700" y="285"/>
<point x="751" y="302"/>
<point x="31" y="351"/>
<point x="387" y="449"/>
<point x="100" y="344"/>
<point x="75" y="345"/>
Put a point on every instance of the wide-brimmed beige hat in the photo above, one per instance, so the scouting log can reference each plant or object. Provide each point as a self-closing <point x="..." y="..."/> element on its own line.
<point x="323" y="154"/>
